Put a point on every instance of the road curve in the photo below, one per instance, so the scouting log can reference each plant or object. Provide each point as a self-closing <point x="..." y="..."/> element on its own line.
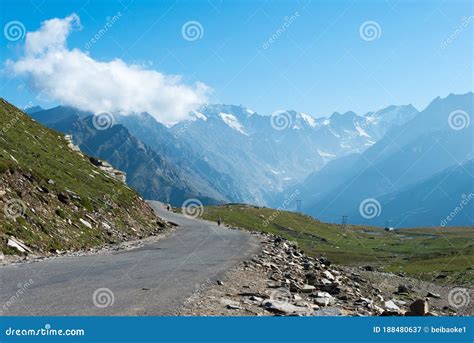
<point x="152" y="280"/>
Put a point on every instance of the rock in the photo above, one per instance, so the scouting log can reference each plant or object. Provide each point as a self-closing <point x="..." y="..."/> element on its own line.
<point x="391" y="306"/>
<point x="390" y="313"/>
<point x="308" y="289"/>
<point x="404" y="289"/>
<point x="365" y="301"/>
<point x="325" y="261"/>
<point x="230" y="304"/>
<point x="64" y="198"/>
<point x="294" y="287"/>
<point x="255" y="298"/>
<point x="329" y="311"/>
<point x="220" y="283"/>
<point x="323" y="295"/>
<point x="368" y="268"/>
<point x="433" y="295"/>
<point x="283" y="307"/>
<point x="322" y="301"/>
<point x="419" y="307"/>
<point x="18" y="245"/>
<point x="85" y="223"/>
<point x="327" y="274"/>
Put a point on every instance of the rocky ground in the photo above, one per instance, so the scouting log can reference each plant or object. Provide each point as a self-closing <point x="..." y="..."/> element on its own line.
<point x="104" y="249"/>
<point x="282" y="280"/>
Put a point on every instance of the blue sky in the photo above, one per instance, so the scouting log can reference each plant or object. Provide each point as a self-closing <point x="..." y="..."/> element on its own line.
<point x="318" y="64"/>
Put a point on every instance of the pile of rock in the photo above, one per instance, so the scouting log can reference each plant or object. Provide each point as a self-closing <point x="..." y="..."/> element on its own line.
<point x="297" y="284"/>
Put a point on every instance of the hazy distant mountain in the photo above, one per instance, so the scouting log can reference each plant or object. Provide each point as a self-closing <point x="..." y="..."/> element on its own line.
<point x="265" y="155"/>
<point x="444" y="199"/>
<point x="417" y="150"/>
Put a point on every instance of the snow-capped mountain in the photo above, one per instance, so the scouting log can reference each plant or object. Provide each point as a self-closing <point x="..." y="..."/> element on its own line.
<point x="264" y="154"/>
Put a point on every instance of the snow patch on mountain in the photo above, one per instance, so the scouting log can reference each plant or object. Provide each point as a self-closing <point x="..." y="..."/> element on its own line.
<point x="360" y="130"/>
<point x="232" y="122"/>
<point x="308" y="119"/>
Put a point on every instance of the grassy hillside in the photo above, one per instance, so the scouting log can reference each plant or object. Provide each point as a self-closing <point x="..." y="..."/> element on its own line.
<point x="438" y="254"/>
<point x="63" y="202"/>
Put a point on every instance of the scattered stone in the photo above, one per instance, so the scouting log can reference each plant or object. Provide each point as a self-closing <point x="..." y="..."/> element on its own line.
<point x="308" y="289"/>
<point x="403" y="289"/>
<point x="329" y="311"/>
<point x="85" y="223"/>
<point x="283" y="307"/>
<point x="391" y="306"/>
<point x="433" y="295"/>
<point x="18" y="245"/>
<point x="64" y="198"/>
<point x="419" y="308"/>
<point x="328" y="275"/>
<point x="220" y="283"/>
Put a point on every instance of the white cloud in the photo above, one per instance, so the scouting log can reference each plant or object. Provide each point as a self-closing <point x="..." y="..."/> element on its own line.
<point x="74" y="78"/>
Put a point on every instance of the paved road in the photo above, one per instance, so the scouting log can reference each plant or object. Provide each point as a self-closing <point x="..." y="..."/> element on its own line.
<point x="152" y="280"/>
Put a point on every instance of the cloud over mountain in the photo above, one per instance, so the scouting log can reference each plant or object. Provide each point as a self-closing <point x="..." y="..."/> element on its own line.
<point x="74" y="78"/>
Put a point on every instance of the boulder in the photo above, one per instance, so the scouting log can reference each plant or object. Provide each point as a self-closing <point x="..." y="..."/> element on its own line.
<point x="419" y="307"/>
<point x="283" y="307"/>
<point x="391" y="306"/>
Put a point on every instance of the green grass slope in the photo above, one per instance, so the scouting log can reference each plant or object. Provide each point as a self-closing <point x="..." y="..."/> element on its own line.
<point x="438" y="254"/>
<point x="58" y="193"/>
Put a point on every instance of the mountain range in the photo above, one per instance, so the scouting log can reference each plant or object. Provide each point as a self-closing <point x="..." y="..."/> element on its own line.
<point x="228" y="153"/>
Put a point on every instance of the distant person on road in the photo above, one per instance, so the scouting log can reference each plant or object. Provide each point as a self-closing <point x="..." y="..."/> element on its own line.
<point x="219" y="221"/>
